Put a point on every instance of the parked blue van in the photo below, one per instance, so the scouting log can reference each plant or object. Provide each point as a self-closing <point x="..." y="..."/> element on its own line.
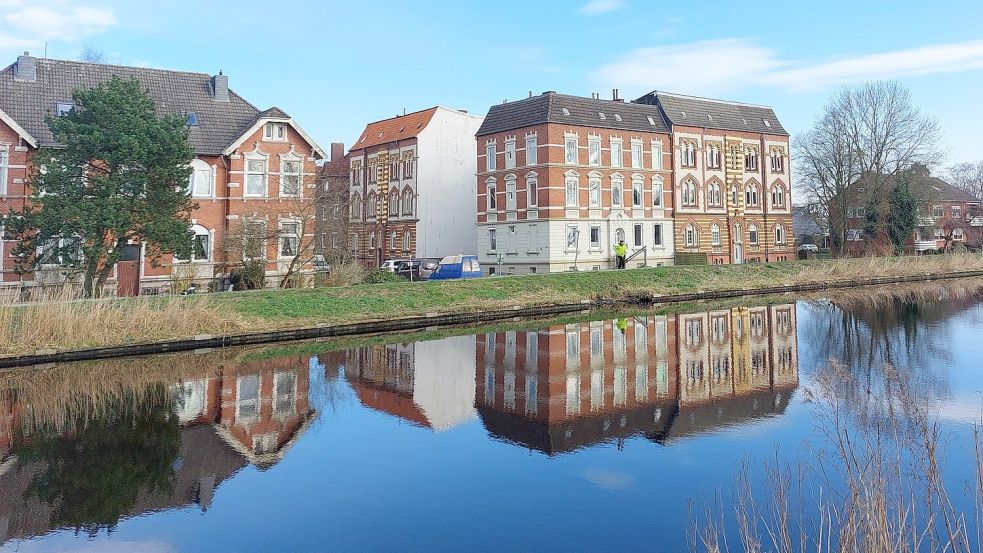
<point x="457" y="266"/>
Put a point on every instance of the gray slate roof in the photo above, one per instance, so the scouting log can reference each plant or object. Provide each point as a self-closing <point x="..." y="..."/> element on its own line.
<point x="181" y="92"/>
<point x="692" y="111"/>
<point x="548" y="108"/>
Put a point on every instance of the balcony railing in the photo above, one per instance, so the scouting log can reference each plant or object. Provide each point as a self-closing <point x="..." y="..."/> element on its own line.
<point x="926" y="221"/>
<point x="924" y="245"/>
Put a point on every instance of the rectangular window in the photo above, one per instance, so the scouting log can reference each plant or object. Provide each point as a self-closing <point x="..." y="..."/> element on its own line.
<point x="255" y="177"/>
<point x="531" y="153"/>
<point x="510" y="154"/>
<point x="4" y="166"/>
<point x="573" y="237"/>
<point x="636" y="155"/>
<point x="639" y="241"/>
<point x="616" y="154"/>
<point x="595" y="237"/>
<point x="617" y="193"/>
<point x="492" y="195"/>
<point x="938" y="211"/>
<point x="657" y="234"/>
<point x="200" y="247"/>
<point x="533" y="245"/>
<point x="657" y="194"/>
<point x="284" y="393"/>
<point x="492" y="240"/>
<point x="201" y="179"/>
<point x="290" y="178"/>
<point x="715" y="235"/>
<point x="289" y="238"/>
<point x="511" y="244"/>
<point x="572" y="191"/>
<point x="247" y="397"/>
<point x="510" y="194"/>
<point x="275" y="131"/>
<point x="636" y="193"/>
<point x="656" y="155"/>
<point x="594" y="152"/>
<point x="570" y="151"/>
<point x="490" y="157"/>
<point x="532" y="198"/>
<point x="594" y="192"/>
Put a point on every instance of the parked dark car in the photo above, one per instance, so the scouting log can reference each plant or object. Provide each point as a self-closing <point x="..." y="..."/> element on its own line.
<point x="416" y="269"/>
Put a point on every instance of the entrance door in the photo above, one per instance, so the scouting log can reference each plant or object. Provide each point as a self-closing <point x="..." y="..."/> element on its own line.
<point x="738" y="244"/>
<point x="128" y="271"/>
<point x="738" y="254"/>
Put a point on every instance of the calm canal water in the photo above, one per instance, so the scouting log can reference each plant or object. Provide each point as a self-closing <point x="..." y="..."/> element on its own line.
<point x="588" y="435"/>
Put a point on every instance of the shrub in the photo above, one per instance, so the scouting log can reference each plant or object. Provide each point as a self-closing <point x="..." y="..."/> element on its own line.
<point x="380" y="276"/>
<point x="251" y="276"/>
<point x="345" y="274"/>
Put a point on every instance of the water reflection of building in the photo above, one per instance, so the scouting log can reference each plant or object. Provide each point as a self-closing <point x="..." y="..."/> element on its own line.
<point x="428" y="383"/>
<point x="663" y="377"/>
<point x="229" y="415"/>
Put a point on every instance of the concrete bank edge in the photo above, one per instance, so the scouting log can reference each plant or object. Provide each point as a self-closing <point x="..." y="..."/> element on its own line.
<point x="437" y="320"/>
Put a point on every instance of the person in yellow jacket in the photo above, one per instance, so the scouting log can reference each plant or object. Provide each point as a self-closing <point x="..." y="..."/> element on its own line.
<point x="620" y="252"/>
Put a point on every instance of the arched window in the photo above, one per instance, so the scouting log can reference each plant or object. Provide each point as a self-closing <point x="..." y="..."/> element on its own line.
<point x="372" y="240"/>
<point x="407" y="201"/>
<point x="491" y="194"/>
<point x="373" y="206"/>
<point x="617" y="192"/>
<point x="713" y="194"/>
<point x="636" y="191"/>
<point x="779" y="234"/>
<point x="715" y="234"/>
<point x="510" y="200"/>
<point x="201" y="245"/>
<point x="691" y="237"/>
<point x="355" y="208"/>
<point x="202" y="181"/>
<point x="751" y="195"/>
<point x="392" y="240"/>
<point x="733" y="196"/>
<point x="353" y="243"/>
<point x="656" y="191"/>
<point x="619" y="235"/>
<point x="738" y="233"/>
<point x="752" y="231"/>
<point x="778" y="196"/>
<point x="572" y="193"/>
<point x="407" y="240"/>
<point x="689" y="193"/>
<point x="532" y="192"/>
<point x="393" y="203"/>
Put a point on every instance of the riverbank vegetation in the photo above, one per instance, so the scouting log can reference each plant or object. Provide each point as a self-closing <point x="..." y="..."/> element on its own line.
<point x="62" y="323"/>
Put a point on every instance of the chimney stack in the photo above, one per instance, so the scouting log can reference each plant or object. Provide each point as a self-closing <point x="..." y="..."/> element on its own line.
<point x="614" y="94"/>
<point x="337" y="151"/>
<point x="27" y="68"/>
<point x="220" y="87"/>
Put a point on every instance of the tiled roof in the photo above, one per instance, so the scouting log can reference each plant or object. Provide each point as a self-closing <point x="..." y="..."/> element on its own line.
<point x="175" y="92"/>
<point x="551" y="107"/>
<point x="951" y="193"/>
<point x="692" y="111"/>
<point x="333" y="168"/>
<point x="400" y="127"/>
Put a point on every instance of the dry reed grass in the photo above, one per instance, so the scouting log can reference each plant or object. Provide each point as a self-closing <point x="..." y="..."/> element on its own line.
<point x="878" y="487"/>
<point x="64" y="321"/>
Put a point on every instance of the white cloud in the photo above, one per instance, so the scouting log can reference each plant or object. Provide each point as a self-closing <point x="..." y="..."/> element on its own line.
<point x="595" y="7"/>
<point x="712" y="67"/>
<point x="57" y="20"/>
<point x="610" y="480"/>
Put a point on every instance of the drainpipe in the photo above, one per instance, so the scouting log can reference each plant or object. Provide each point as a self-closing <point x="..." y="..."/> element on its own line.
<point x="765" y="206"/>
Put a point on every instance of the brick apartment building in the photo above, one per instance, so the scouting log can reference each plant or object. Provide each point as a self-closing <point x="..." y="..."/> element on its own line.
<point x="562" y="178"/>
<point x="412" y="187"/>
<point x="731" y="179"/>
<point x="946" y="214"/>
<point x="252" y="166"/>
<point x="331" y="198"/>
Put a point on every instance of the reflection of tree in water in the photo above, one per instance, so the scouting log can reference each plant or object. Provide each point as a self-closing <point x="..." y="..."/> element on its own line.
<point x="94" y="473"/>
<point x="869" y="330"/>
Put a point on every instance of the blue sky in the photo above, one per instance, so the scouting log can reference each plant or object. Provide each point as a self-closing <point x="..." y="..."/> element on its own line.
<point x="335" y="66"/>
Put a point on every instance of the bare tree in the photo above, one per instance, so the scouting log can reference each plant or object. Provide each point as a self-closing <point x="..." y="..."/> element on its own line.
<point x="967" y="176"/>
<point x="870" y="132"/>
<point x="92" y="55"/>
<point x="247" y="244"/>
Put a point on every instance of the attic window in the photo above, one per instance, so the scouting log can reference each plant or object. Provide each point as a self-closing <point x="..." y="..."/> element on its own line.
<point x="275" y="131"/>
<point x="566" y="111"/>
<point x="766" y="122"/>
<point x="401" y="129"/>
<point x="684" y="113"/>
<point x="651" y="120"/>
<point x="709" y="117"/>
<point x="63" y="108"/>
<point x="192" y="120"/>
<point x="743" y="120"/>
<point x="418" y="125"/>
<point x="617" y="117"/>
<point x="601" y="115"/>
<point x="380" y="134"/>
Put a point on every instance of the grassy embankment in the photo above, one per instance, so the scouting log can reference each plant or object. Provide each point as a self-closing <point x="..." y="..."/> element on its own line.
<point x="74" y="325"/>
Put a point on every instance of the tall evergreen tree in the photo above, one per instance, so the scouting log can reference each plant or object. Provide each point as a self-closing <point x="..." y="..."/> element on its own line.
<point x="902" y="216"/>
<point x="120" y="178"/>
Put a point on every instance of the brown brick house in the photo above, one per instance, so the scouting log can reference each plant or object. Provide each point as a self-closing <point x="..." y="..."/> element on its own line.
<point x="251" y="165"/>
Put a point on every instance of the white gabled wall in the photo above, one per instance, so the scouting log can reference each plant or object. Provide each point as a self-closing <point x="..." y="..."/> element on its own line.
<point x="446" y="189"/>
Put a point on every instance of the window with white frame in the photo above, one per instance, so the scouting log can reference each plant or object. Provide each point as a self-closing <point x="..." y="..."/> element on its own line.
<point x="733" y="196"/>
<point x="254" y="239"/>
<point x="617" y="192"/>
<point x="854" y="235"/>
<point x="393" y="169"/>
<point x="492" y="240"/>
<point x="284" y="393"/>
<point x="491" y="194"/>
<point x="407" y="240"/>
<point x="779" y="234"/>
<point x="291" y="177"/>
<point x="636" y="154"/>
<point x="636" y="191"/>
<point x="532" y="192"/>
<point x="393" y="203"/>
<point x="490" y="157"/>
<point x="275" y="132"/>
<point x="60" y="251"/>
<point x="956" y="211"/>
<point x="656" y="155"/>
<point x="713" y="194"/>
<point x="595" y="237"/>
<point x="957" y="234"/>
<point x="355" y="209"/>
<point x="532" y="157"/>
<point x="510" y="154"/>
<point x="372" y="206"/>
<point x="687" y="153"/>
<point x="657" y="234"/>
<point x="247" y="397"/>
<point x="938" y="211"/>
<point x="750" y="159"/>
<point x="778" y="196"/>
<point x="594" y="191"/>
<point x="289" y="238"/>
<point x="594" y="151"/>
<point x="690" y="236"/>
<point x="407" y="201"/>
<point x="689" y="193"/>
<point x="715" y="234"/>
<point x="751" y="195"/>
<point x="638" y="236"/>
<point x="201" y="244"/>
<point x="353" y="243"/>
<point x="777" y="160"/>
<point x="4" y="168"/>
<point x="713" y="156"/>
<point x="572" y="191"/>
<point x="392" y="240"/>
<point x="657" y="191"/>
<point x="255" y="177"/>
<point x="616" y="153"/>
<point x="752" y="234"/>
<point x="201" y="183"/>
<point x="570" y="151"/>
<point x="371" y="242"/>
<point x="510" y="200"/>
<point x="573" y="237"/>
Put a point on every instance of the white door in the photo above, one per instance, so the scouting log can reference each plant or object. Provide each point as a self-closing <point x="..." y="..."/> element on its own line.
<point x="738" y="254"/>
